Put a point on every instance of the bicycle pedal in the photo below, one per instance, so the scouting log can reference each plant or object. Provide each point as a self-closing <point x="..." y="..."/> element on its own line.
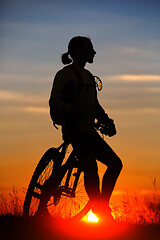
<point x="56" y="200"/>
<point x="57" y="197"/>
<point x="75" y="174"/>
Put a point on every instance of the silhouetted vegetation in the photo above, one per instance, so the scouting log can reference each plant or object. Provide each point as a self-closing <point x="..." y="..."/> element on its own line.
<point x="11" y="204"/>
<point x="132" y="208"/>
<point x="138" y="209"/>
<point x="142" y="216"/>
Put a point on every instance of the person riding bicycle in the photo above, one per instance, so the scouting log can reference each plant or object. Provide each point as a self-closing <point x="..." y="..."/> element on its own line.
<point x="74" y="97"/>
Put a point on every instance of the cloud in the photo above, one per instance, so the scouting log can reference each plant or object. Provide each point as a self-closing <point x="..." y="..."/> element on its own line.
<point x="20" y="97"/>
<point x="21" y="78"/>
<point x="135" y="78"/>
<point x="25" y="103"/>
<point x="11" y="96"/>
<point x="153" y="89"/>
<point x="37" y="110"/>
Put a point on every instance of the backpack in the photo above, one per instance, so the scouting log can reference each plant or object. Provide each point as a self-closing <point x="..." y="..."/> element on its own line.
<point x="57" y="115"/>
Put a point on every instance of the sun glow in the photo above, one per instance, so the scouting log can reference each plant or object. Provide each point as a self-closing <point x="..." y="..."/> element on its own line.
<point x="90" y="217"/>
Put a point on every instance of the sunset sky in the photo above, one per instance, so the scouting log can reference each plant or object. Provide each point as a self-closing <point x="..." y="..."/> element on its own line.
<point x="126" y="37"/>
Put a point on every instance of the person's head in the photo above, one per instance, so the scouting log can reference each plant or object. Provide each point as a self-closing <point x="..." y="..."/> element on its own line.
<point x="81" y="48"/>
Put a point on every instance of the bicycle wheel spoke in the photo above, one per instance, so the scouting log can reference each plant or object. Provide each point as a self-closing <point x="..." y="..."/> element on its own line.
<point x="36" y="195"/>
<point x="38" y="185"/>
<point x="63" y="202"/>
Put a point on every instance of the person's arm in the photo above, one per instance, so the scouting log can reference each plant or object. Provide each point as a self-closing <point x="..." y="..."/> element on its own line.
<point x="103" y="118"/>
<point x="100" y="113"/>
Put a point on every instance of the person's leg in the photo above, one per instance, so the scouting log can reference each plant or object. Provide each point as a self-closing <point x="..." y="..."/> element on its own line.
<point x="88" y="150"/>
<point x="84" y="149"/>
<point x="110" y="178"/>
<point x="107" y="156"/>
<point x="91" y="177"/>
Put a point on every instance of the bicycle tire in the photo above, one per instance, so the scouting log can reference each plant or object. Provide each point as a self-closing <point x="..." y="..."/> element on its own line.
<point x="67" y="207"/>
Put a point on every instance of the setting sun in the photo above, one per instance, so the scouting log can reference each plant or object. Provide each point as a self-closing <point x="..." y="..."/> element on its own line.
<point x="90" y="217"/>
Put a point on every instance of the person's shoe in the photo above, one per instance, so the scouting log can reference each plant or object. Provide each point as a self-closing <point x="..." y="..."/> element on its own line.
<point x="103" y="213"/>
<point x="46" y="214"/>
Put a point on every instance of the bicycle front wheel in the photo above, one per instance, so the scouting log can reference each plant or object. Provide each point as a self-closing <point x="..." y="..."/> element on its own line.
<point x="42" y="173"/>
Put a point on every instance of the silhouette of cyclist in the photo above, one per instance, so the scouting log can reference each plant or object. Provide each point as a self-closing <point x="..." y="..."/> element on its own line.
<point x="74" y="94"/>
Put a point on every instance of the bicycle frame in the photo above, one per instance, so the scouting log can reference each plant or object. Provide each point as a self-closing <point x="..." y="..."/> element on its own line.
<point x="71" y="162"/>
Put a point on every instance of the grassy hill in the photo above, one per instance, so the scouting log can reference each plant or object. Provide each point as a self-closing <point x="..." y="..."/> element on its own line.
<point x="18" y="228"/>
<point x="136" y="220"/>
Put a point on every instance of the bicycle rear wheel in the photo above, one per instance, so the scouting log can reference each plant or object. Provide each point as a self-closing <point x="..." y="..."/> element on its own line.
<point x="60" y="203"/>
<point x="67" y="204"/>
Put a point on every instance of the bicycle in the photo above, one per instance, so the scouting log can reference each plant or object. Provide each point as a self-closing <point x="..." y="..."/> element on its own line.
<point x="64" y="179"/>
<point x="67" y="198"/>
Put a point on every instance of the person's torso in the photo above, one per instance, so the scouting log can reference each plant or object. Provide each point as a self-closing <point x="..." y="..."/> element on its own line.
<point x="84" y="99"/>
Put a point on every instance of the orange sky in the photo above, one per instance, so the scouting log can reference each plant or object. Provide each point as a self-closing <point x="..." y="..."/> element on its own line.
<point x="28" y="132"/>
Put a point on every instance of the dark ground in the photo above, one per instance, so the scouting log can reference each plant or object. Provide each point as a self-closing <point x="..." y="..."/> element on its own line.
<point x="18" y="228"/>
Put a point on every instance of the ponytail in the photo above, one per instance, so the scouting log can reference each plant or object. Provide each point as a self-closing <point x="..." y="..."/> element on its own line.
<point x="65" y="58"/>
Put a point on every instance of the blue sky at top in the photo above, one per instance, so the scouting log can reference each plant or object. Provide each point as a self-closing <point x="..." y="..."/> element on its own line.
<point x="34" y="34"/>
<point x="45" y="27"/>
<point x="45" y="11"/>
